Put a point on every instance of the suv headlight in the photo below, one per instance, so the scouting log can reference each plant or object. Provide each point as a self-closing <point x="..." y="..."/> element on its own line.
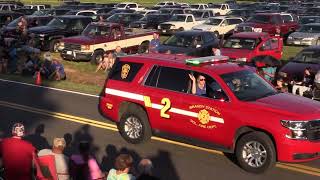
<point x="159" y="27"/>
<point x="290" y="37"/>
<point x="257" y="29"/>
<point x="172" y="27"/>
<point x="298" y="129"/>
<point x="241" y="59"/>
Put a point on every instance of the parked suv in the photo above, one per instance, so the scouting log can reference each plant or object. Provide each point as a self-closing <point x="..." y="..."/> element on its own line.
<point x="61" y="26"/>
<point x="239" y="112"/>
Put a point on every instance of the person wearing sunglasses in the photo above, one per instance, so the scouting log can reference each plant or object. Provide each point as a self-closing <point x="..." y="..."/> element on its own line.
<point x="198" y="85"/>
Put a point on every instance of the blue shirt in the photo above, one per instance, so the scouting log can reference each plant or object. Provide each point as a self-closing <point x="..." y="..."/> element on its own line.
<point x="201" y="92"/>
<point x="154" y="44"/>
<point x="269" y="70"/>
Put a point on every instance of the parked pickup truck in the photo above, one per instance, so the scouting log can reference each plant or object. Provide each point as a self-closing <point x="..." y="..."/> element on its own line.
<point x="220" y="9"/>
<point x="270" y="23"/>
<point x="178" y="22"/>
<point x="48" y="36"/>
<point x="251" y="46"/>
<point x="101" y="37"/>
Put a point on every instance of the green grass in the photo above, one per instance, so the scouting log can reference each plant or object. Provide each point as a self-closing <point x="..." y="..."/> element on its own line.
<point x="290" y="51"/>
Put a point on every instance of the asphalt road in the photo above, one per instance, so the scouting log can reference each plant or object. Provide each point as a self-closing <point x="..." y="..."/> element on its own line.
<point x="50" y="113"/>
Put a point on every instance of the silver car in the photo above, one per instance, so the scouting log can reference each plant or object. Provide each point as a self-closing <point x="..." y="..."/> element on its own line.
<point x="308" y="34"/>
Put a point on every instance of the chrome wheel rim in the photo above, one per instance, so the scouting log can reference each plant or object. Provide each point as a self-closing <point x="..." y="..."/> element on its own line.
<point x="254" y="154"/>
<point x="133" y="127"/>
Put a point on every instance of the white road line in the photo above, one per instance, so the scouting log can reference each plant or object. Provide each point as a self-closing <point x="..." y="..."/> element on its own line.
<point x="50" y="88"/>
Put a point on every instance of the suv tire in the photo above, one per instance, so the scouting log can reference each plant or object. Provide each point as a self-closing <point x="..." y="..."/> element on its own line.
<point x="255" y="152"/>
<point x="54" y="45"/>
<point x="134" y="126"/>
<point x="97" y="57"/>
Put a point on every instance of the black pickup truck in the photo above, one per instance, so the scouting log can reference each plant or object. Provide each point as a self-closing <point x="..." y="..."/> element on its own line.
<point x="48" y="36"/>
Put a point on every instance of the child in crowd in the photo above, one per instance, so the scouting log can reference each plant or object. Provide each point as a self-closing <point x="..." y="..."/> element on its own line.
<point x="123" y="165"/>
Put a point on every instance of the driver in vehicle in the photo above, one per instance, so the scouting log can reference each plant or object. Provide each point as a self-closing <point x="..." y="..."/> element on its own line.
<point x="198" y="85"/>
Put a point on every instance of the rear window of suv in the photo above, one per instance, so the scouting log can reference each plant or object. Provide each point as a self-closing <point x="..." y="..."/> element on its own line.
<point x="124" y="71"/>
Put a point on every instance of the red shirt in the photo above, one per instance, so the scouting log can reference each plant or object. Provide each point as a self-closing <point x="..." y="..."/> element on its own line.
<point x="17" y="158"/>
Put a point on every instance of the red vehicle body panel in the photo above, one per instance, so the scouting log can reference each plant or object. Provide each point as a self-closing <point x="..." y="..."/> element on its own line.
<point x="263" y="114"/>
<point x="233" y="53"/>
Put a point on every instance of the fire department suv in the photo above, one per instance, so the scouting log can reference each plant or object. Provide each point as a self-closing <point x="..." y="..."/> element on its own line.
<point x="240" y="113"/>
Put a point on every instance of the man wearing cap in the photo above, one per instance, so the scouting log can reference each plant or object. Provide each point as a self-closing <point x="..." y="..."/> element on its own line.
<point x="61" y="161"/>
<point x="17" y="155"/>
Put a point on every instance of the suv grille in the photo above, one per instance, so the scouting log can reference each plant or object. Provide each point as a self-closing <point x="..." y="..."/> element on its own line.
<point x="165" y="26"/>
<point x="69" y="46"/>
<point x="313" y="131"/>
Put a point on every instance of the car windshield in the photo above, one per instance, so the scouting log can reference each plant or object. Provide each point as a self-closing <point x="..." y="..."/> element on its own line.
<point x="121" y="5"/>
<point x="14" y="23"/>
<point x="309" y="29"/>
<point x="180" y="40"/>
<point x="312" y="57"/>
<point x="259" y="19"/>
<point x="308" y="20"/>
<point x="165" y="11"/>
<point x="161" y="4"/>
<point x="241" y="43"/>
<point x="197" y="14"/>
<point x="216" y="6"/>
<point x="234" y="13"/>
<point x="194" y="6"/>
<point x="178" y="18"/>
<point x="72" y="13"/>
<point x="247" y="85"/>
<point x="213" y="21"/>
<point x="58" y="22"/>
<point x="94" y="30"/>
<point x="39" y="13"/>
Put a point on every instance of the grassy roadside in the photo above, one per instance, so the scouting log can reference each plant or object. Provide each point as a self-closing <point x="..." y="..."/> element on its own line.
<point x="81" y="76"/>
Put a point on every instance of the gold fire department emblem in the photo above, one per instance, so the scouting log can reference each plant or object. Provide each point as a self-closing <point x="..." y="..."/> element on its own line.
<point x="204" y="116"/>
<point x="125" y="71"/>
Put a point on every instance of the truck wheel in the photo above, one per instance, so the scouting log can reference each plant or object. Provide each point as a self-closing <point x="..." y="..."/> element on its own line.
<point x="97" y="57"/>
<point x="216" y="33"/>
<point x="318" y="42"/>
<point x="143" y="48"/>
<point x="217" y="14"/>
<point x="255" y="152"/>
<point x="134" y="126"/>
<point x="181" y="29"/>
<point x="54" y="44"/>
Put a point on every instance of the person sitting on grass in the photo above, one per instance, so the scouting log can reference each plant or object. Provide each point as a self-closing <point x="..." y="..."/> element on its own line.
<point x="31" y="65"/>
<point x="107" y="62"/>
<point x="46" y="67"/>
<point x="58" y="71"/>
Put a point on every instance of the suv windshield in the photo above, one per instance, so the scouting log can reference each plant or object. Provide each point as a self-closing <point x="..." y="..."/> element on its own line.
<point x="93" y="30"/>
<point x="14" y="23"/>
<point x="58" y="22"/>
<point x="241" y="43"/>
<point x="197" y="14"/>
<point x="180" y="40"/>
<point x="216" y="6"/>
<point x="178" y="18"/>
<point x="248" y="86"/>
<point x="213" y="21"/>
<point x="312" y="57"/>
<point x="309" y="29"/>
<point x="259" y="19"/>
<point x="194" y="6"/>
<point x="121" y="5"/>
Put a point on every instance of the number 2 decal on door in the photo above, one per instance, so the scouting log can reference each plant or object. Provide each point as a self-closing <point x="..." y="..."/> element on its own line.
<point x="166" y="106"/>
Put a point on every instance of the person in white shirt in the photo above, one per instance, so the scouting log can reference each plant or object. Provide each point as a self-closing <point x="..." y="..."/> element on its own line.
<point x="216" y="51"/>
<point x="61" y="161"/>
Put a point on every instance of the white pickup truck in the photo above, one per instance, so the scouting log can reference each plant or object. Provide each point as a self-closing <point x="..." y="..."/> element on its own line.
<point x="178" y="22"/>
<point x="220" y="9"/>
<point x="219" y="25"/>
<point x="130" y="5"/>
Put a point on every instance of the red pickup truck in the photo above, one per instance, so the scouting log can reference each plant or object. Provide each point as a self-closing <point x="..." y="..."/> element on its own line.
<point x="272" y="23"/>
<point x="251" y="46"/>
<point x="99" y="38"/>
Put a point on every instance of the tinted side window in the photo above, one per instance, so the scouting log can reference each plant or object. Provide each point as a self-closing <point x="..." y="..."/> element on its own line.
<point x="173" y="79"/>
<point x="206" y="15"/>
<point x="189" y="19"/>
<point x="234" y="21"/>
<point x="286" y="18"/>
<point x="276" y="20"/>
<point x="208" y="37"/>
<point x="125" y="71"/>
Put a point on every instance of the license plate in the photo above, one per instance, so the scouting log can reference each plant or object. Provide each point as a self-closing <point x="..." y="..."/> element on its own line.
<point x="69" y="52"/>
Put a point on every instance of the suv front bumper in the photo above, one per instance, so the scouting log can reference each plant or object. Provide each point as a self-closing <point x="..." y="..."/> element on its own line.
<point x="290" y="150"/>
<point x="75" y="55"/>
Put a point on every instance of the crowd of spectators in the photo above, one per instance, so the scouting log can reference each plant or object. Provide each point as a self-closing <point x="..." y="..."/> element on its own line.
<point x="19" y="55"/>
<point x="21" y="161"/>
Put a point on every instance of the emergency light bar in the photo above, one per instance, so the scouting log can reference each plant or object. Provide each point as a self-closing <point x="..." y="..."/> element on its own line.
<point x="207" y="60"/>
